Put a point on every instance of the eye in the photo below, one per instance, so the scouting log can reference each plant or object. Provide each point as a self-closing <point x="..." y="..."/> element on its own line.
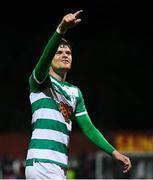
<point x="58" y="52"/>
<point x="68" y="52"/>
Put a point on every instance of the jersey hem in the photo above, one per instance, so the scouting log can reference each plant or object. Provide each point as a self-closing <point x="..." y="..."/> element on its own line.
<point x="30" y="162"/>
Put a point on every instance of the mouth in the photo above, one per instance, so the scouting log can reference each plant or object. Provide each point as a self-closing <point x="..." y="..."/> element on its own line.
<point x="65" y="61"/>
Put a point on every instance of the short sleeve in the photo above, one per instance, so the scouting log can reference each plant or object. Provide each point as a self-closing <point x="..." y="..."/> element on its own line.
<point x="80" y="106"/>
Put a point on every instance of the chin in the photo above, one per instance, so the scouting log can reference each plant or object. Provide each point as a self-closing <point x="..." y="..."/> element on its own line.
<point x="66" y="68"/>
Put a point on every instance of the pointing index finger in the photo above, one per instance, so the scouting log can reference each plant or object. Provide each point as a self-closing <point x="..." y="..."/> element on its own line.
<point x="76" y="14"/>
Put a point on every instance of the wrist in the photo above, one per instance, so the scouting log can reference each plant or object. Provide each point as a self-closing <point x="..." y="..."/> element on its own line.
<point x="115" y="153"/>
<point x="60" y="30"/>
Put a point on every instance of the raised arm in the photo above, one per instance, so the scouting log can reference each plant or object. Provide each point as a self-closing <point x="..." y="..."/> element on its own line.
<point x="42" y="68"/>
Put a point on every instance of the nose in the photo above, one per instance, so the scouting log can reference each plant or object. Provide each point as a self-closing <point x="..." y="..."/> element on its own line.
<point x="64" y="54"/>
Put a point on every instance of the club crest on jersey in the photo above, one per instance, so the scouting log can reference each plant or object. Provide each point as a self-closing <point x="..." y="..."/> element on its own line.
<point x="72" y="92"/>
<point x="66" y="110"/>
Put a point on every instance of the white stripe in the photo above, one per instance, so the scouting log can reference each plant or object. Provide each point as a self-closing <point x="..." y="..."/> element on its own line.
<point x="80" y="114"/>
<point x="51" y="135"/>
<point x="52" y="114"/>
<point x="36" y="96"/>
<point x="45" y="113"/>
<point x="71" y="90"/>
<point x="47" y="154"/>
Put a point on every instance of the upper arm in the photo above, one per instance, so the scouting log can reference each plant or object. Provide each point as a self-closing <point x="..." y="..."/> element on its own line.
<point x="85" y="123"/>
<point x="41" y="70"/>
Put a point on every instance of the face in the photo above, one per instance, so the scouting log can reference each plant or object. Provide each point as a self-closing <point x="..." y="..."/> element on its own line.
<point x="63" y="59"/>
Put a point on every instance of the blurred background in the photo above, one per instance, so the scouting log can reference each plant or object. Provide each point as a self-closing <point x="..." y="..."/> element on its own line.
<point x="112" y="65"/>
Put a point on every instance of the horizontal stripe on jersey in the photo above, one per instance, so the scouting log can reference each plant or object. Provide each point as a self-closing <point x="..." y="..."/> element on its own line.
<point x="44" y="103"/>
<point x="48" y="144"/>
<point x="45" y="113"/>
<point x="47" y="154"/>
<point x="51" y="124"/>
<point x="30" y="162"/>
<point x="41" y="96"/>
<point x="50" y="135"/>
<point x="37" y="96"/>
<point x="52" y="114"/>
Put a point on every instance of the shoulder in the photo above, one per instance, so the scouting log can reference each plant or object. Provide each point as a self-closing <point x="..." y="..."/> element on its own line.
<point x="74" y="89"/>
<point x="35" y="86"/>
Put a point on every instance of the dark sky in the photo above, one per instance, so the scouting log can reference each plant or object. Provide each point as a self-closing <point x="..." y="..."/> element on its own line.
<point x="112" y="62"/>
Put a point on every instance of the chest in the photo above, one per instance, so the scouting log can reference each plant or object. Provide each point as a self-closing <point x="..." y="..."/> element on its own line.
<point x="65" y="95"/>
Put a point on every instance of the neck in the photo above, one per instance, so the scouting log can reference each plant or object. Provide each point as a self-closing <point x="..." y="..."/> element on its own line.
<point x="58" y="75"/>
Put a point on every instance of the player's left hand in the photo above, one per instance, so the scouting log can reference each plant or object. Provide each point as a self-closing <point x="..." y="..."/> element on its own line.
<point x="123" y="159"/>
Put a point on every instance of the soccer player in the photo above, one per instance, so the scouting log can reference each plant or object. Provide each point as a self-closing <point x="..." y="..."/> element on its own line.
<point x="55" y="105"/>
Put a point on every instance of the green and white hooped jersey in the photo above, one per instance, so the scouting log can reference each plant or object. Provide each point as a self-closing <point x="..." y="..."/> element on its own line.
<point x="54" y="105"/>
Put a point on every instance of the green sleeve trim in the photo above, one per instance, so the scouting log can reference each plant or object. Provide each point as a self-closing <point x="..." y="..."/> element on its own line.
<point x="42" y="68"/>
<point x="94" y="134"/>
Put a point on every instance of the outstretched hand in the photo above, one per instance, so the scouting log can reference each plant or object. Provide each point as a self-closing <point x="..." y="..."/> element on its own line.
<point x="124" y="160"/>
<point x="69" y="21"/>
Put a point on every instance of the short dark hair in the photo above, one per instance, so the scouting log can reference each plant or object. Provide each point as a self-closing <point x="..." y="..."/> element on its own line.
<point x="65" y="43"/>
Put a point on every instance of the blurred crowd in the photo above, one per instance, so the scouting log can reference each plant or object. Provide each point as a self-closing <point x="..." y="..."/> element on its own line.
<point x="11" y="168"/>
<point x="84" y="167"/>
<point x="80" y="167"/>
